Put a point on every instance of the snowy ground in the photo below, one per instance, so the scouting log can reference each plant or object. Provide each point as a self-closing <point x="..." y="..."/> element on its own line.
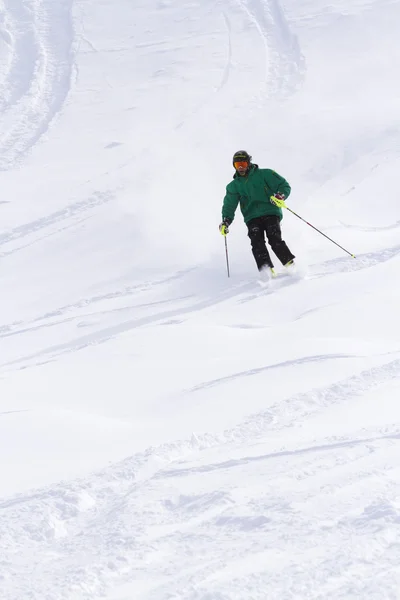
<point x="167" y="432"/>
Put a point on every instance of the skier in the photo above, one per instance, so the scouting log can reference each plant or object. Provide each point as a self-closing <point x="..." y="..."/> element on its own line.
<point x="261" y="193"/>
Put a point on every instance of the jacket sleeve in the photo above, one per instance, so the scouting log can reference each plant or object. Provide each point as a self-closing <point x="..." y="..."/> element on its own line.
<point x="230" y="203"/>
<point x="275" y="183"/>
<point x="282" y="185"/>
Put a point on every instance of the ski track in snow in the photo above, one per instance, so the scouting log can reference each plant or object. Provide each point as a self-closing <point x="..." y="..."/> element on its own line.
<point x="285" y="64"/>
<point x="284" y="69"/>
<point x="228" y="65"/>
<point x="244" y="292"/>
<point x="370" y="229"/>
<point x="69" y="213"/>
<point x="37" y="81"/>
<point x="81" y="535"/>
<point x="251" y="372"/>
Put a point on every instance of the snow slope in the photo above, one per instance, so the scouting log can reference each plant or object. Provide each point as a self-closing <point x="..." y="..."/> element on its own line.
<point x="167" y="432"/>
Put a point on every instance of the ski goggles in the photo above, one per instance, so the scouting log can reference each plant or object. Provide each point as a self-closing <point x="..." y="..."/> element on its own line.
<point x="241" y="163"/>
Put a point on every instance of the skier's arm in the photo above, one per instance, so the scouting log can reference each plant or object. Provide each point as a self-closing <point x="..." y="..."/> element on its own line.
<point x="276" y="183"/>
<point x="229" y="206"/>
<point x="282" y="186"/>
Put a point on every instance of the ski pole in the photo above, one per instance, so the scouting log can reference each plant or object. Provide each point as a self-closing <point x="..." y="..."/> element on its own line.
<point x="226" y="254"/>
<point x="283" y="205"/>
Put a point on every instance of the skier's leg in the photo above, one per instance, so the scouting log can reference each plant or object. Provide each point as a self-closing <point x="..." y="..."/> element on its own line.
<point x="257" y="239"/>
<point x="274" y="235"/>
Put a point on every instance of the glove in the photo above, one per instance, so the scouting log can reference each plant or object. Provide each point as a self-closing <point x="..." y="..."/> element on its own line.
<point x="224" y="226"/>
<point x="278" y="199"/>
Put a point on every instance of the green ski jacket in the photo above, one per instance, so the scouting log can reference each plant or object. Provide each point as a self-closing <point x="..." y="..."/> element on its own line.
<point x="252" y="192"/>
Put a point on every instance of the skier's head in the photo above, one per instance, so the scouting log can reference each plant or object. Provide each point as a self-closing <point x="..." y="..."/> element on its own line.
<point x="241" y="161"/>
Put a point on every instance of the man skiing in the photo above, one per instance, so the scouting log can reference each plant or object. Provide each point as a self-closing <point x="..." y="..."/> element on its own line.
<point x="261" y="194"/>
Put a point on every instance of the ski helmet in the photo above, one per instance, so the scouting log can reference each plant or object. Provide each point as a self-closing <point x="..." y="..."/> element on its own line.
<point x="241" y="155"/>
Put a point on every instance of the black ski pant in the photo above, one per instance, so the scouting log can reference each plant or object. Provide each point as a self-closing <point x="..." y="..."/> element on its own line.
<point x="269" y="225"/>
